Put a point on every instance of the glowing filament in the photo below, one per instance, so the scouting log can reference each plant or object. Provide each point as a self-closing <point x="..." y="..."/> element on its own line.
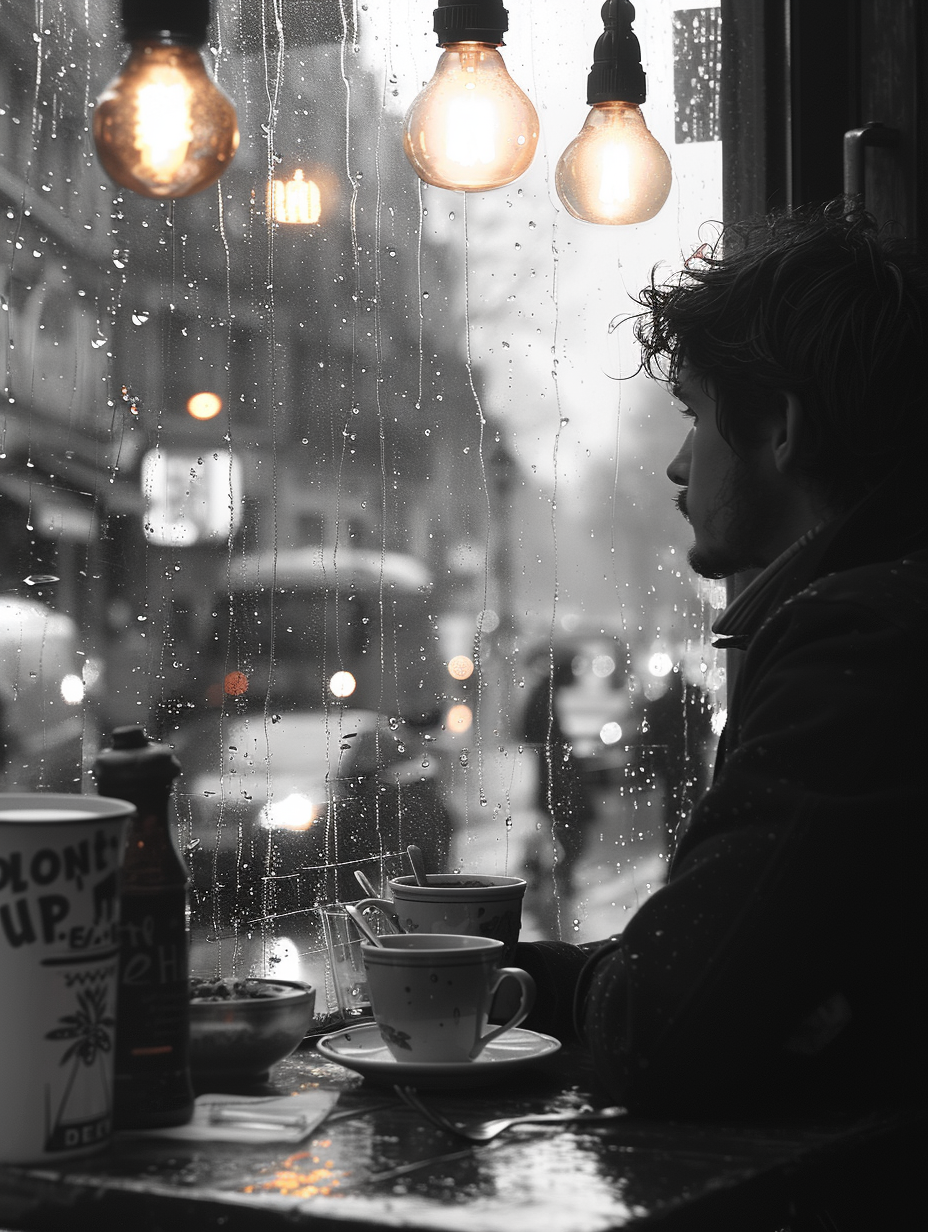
<point x="163" y="128"/>
<point x="614" y="186"/>
<point x="470" y="131"/>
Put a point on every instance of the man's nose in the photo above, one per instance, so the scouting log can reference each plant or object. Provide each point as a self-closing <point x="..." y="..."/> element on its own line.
<point x="679" y="469"/>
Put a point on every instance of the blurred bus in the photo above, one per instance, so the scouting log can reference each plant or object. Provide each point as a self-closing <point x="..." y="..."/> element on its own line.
<point x="307" y="628"/>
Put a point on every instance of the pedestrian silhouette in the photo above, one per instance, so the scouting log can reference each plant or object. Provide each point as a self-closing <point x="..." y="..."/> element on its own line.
<point x="561" y="793"/>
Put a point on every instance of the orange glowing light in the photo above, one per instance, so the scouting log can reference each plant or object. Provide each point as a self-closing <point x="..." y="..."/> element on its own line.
<point x="460" y="667"/>
<point x="460" y="718"/>
<point x="294" y="201"/>
<point x="204" y="405"/>
<point x="235" y="684"/>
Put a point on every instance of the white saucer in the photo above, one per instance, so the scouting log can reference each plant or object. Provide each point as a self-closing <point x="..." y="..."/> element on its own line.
<point x="362" y="1049"/>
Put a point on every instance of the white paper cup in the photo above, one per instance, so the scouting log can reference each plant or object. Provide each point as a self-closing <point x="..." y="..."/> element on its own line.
<point x="59" y="954"/>
<point x="432" y="993"/>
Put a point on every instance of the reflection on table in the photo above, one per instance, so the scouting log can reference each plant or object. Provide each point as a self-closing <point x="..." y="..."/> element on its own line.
<point x="374" y="1163"/>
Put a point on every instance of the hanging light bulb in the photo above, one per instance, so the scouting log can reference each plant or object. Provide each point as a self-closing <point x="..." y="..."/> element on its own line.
<point x="613" y="171"/>
<point x="162" y="127"/>
<point x="471" y="128"/>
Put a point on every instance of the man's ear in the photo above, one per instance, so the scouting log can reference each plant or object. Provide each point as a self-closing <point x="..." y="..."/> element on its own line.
<point x="786" y="438"/>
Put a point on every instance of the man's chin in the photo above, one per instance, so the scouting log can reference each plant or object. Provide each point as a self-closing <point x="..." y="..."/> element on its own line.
<point x="704" y="567"/>
<point x="715" y="566"/>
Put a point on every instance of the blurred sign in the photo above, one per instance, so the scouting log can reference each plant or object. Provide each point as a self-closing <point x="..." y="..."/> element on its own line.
<point x="190" y="498"/>
<point x="294" y="201"/>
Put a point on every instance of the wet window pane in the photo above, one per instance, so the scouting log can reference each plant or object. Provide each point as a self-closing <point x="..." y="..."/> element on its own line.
<point x="344" y="485"/>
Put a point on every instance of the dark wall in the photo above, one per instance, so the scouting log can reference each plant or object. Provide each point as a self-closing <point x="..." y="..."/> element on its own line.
<point x="798" y="75"/>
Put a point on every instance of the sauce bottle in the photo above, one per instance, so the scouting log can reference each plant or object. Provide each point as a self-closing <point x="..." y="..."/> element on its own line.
<point x="152" y="1083"/>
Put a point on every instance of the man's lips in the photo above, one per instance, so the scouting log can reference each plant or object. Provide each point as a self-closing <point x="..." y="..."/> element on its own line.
<point x="680" y="502"/>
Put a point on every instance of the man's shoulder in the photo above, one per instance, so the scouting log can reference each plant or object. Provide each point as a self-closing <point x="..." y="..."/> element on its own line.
<point x="895" y="590"/>
<point x="873" y="614"/>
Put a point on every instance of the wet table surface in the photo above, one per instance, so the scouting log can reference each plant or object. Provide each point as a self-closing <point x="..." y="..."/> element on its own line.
<point x="376" y="1164"/>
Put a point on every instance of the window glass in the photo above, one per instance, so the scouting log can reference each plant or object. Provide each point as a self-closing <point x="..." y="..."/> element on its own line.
<point x="345" y="485"/>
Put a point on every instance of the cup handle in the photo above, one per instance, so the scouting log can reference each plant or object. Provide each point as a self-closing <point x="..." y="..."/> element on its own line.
<point x="386" y="909"/>
<point x="526" y="1001"/>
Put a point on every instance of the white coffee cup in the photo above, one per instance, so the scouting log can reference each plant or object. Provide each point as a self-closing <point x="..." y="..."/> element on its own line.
<point x="59" y="951"/>
<point x="431" y="994"/>
<point x="473" y="904"/>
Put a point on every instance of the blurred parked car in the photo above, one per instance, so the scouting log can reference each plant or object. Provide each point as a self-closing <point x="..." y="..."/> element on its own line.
<point x="41" y="692"/>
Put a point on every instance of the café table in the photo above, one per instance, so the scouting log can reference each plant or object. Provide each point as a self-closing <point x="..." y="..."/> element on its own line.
<point x="376" y="1164"/>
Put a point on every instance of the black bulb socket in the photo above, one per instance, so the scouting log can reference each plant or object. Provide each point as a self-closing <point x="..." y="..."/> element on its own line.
<point x="481" y="21"/>
<point x="616" y="74"/>
<point x="177" y="21"/>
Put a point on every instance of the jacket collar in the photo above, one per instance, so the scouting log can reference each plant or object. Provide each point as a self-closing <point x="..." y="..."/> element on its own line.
<point x="887" y="524"/>
<point x="782" y="579"/>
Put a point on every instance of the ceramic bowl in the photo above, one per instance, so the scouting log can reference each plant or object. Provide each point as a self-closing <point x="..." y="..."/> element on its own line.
<point x="240" y="1028"/>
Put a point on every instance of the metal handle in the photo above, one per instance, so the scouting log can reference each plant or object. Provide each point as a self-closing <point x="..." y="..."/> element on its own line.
<point x="856" y="141"/>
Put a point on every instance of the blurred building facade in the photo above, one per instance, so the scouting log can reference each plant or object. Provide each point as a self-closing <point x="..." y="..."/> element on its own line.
<point x="345" y="411"/>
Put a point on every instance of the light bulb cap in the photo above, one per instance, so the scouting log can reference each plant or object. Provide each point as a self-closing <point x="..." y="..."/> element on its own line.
<point x="616" y="74"/>
<point x="183" y="20"/>
<point x="481" y="21"/>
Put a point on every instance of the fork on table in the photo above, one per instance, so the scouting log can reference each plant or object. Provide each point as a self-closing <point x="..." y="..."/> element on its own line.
<point x="485" y="1131"/>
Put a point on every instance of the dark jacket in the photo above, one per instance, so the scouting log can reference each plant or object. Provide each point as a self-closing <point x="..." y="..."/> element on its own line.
<point x="782" y="962"/>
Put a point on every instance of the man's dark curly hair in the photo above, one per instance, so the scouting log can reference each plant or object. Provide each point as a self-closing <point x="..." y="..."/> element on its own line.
<point x="819" y="303"/>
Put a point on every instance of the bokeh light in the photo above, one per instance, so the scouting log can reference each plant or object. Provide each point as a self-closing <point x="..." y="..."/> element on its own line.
<point x="342" y="684"/>
<point x="460" y="667"/>
<point x="204" y="405"/>
<point x="460" y="718"/>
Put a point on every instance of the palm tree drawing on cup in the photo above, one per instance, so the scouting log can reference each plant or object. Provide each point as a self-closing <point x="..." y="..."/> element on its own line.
<point x="87" y="1094"/>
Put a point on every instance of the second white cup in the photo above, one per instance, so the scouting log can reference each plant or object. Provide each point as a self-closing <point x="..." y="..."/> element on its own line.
<point x="431" y="994"/>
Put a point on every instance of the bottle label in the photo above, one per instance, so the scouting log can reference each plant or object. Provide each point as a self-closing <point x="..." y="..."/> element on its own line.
<point x="153" y="1005"/>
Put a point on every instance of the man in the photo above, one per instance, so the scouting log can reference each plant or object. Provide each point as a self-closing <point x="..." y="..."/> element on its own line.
<point x="781" y="965"/>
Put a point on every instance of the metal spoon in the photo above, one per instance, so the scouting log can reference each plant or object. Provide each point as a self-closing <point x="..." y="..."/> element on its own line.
<point x="363" y="927"/>
<point x="365" y="883"/>
<point x="417" y="860"/>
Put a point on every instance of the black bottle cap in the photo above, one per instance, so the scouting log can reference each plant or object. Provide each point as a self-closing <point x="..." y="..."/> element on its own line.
<point x="133" y="759"/>
<point x="132" y="737"/>
<point x="480" y="21"/>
